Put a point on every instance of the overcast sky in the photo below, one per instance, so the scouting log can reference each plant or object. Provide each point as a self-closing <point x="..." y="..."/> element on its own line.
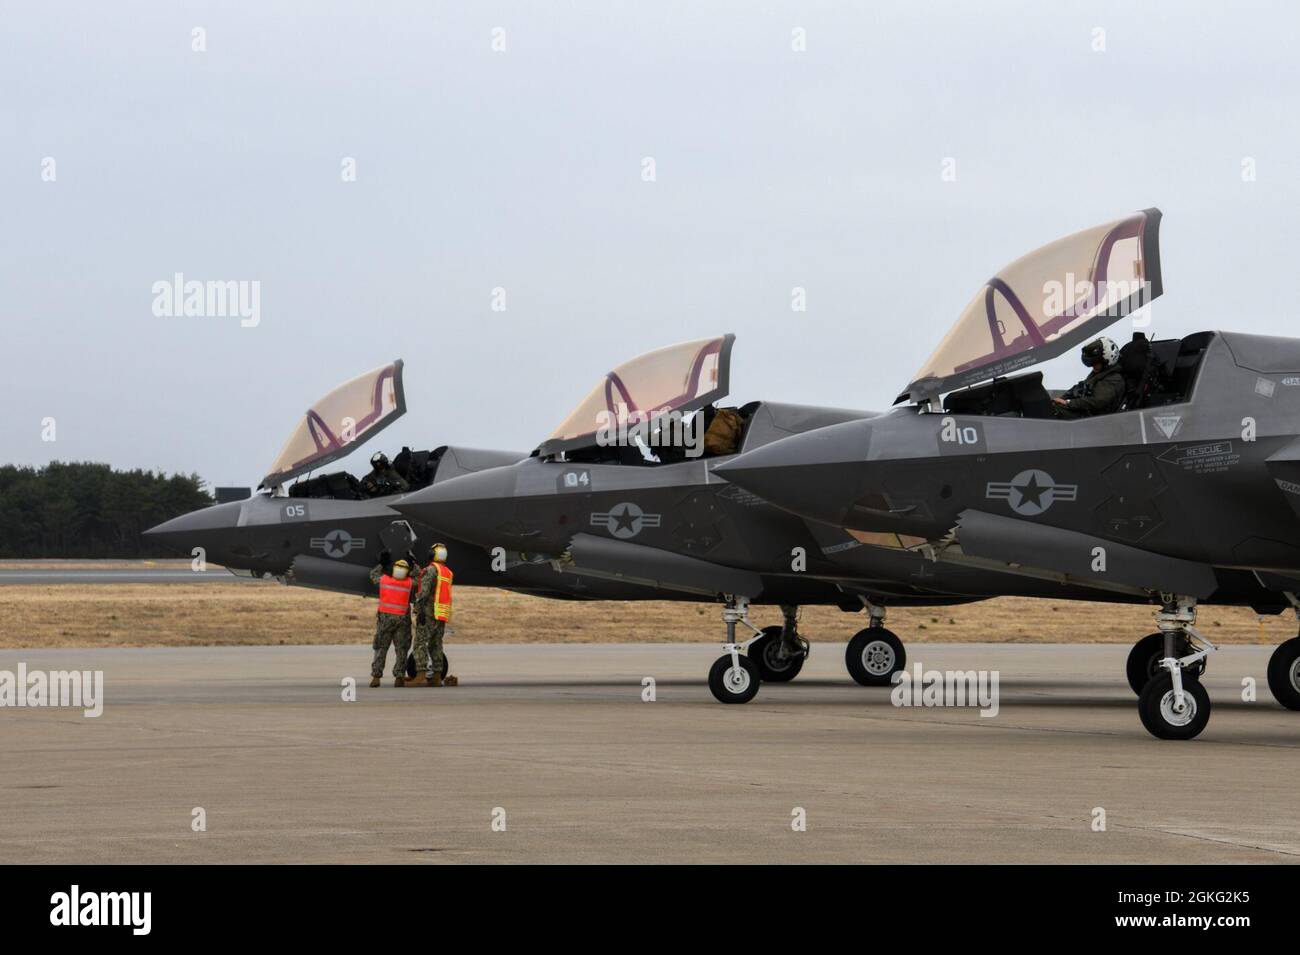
<point x="522" y="169"/>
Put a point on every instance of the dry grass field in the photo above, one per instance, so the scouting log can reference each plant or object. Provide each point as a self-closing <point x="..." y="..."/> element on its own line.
<point x="242" y="612"/>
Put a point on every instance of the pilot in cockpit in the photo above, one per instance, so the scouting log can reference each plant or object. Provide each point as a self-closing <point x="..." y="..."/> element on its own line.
<point x="383" y="479"/>
<point x="1102" y="392"/>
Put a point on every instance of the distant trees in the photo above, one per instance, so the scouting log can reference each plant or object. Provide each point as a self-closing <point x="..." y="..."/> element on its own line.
<point x="82" y="509"/>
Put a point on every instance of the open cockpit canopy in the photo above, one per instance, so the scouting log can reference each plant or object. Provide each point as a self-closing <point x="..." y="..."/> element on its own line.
<point x="677" y="379"/>
<point x="338" y="423"/>
<point x="1046" y="302"/>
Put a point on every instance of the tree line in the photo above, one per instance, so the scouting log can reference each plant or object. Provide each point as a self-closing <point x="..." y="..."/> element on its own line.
<point x="84" y="509"/>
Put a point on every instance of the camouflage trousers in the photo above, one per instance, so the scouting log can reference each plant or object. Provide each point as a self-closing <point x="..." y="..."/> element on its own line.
<point x="391" y="629"/>
<point x="428" y="646"/>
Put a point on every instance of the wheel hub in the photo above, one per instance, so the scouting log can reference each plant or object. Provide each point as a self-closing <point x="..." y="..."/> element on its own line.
<point x="736" y="679"/>
<point x="774" y="658"/>
<point x="1170" y="712"/>
<point x="878" y="658"/>
<point x="1294" y="674"/>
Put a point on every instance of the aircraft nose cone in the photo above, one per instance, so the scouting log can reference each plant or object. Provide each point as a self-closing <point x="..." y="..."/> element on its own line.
<point x="197" y="528"/>
<point x="473" y="507"/>
<point x="817" y="474"/>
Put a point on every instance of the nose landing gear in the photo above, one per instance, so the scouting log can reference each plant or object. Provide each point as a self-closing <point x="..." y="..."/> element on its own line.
<point x="734" y="677"/>
<point x="1173" y="704"/>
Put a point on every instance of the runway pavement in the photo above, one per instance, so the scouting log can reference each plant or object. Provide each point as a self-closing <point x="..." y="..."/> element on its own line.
<point x="556" y="741"/>
<point x="31" y="576"/>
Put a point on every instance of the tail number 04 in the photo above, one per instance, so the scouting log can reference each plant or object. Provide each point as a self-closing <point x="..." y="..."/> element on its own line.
<point x="575" y="480"/>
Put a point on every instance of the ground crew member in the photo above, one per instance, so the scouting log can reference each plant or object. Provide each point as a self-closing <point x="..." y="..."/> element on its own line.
<point x="393" y="619"/>
<point x="432" y="611"/>
<point x="1102" y="392"/>
<point x="383" y="478"/>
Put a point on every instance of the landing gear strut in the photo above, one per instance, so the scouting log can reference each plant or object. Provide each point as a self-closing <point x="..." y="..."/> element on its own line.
<point x="874" y="655"/>
<point x="1144" y="660"/>
<point x="1173" y="704"/>
<point x="1284" y="667"/>
<point x="780" y="652"/>
<point x="734" y="677"/>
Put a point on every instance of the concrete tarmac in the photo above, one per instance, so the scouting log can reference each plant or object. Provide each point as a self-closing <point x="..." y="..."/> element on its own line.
<point x="41" y="576"/>
<point x="556" y="741"/>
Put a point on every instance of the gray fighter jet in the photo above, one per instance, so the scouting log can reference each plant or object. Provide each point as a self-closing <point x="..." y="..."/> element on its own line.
<point x="1189" y="492"/>
<point x="328" y="530"/>
<point x="628" y="487"/>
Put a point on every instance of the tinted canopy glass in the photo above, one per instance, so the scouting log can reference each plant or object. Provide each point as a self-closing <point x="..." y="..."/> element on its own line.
<point x="1046" y="302"/>
<point x="336" y="424"/>
<point x="678" y="378"/>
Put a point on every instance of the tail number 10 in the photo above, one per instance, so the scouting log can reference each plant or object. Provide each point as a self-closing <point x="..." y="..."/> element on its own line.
<point x="955" y="435"/>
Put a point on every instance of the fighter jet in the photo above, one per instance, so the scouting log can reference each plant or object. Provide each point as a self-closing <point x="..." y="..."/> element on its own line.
<point x="1188" y="493"/>
<point x="628" y="487"/>
<point x="327" y="530"/>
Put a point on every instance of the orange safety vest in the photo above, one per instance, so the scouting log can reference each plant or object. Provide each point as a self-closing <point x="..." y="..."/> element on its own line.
<point x="441" y="591"/>
<point x="394" y="594"/>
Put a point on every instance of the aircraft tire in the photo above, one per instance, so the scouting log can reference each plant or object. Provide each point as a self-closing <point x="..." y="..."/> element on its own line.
<point x="771" y="667"/>
<point x="731" y="684"/>
<point x="874" y="655"/>
<point x="410" y="664"/>
<point x="1155" y="707"/>
<point x="1144" y="661"/>
<point x="1284" y="674"/>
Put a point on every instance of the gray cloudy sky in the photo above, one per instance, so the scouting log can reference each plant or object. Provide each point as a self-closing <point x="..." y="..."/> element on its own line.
<point x="522" y="169"/>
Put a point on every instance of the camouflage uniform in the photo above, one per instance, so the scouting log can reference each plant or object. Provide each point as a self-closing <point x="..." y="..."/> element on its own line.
<point x="428" y="635"/>
<point x="390" y="628"/>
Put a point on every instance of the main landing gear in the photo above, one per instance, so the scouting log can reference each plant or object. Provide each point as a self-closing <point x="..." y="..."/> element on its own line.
<point x="1284" y="667"/>
<point x="874" y="654"/>
<point x="1172" y="703"/>
<point x="780" y="652"/>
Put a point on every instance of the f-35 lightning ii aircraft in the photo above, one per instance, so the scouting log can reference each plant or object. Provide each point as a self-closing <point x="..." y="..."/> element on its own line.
<point x="1189" y="493"/>
<point x="628" y="487"/>
<point x="327" y="531"/>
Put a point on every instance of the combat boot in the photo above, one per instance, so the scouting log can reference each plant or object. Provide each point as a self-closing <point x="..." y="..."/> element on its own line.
<point x="435" y="680"/>
<point x="418" y="680"/>
<point x="450" y="681"/>
<point x="374" y="681"/>
<point x="399" y="681"/>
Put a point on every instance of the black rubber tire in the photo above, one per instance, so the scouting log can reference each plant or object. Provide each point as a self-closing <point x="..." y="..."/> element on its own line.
<point x="743" y="690"/>
<point x="1155" y="718"/>
<point x="1144" y="661"/>
<point x="876" y="644"/>
<point x="770" y="667"/>
<point x="410" y="664"/>
<point x="1284" y="674"/>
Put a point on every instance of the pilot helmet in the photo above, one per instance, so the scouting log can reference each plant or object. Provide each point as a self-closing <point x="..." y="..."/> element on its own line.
<point x="439" y="553"/>
<point x="401" y="569"/>
<point x="1100" y="350"/>
<point x="379" y="460"/>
